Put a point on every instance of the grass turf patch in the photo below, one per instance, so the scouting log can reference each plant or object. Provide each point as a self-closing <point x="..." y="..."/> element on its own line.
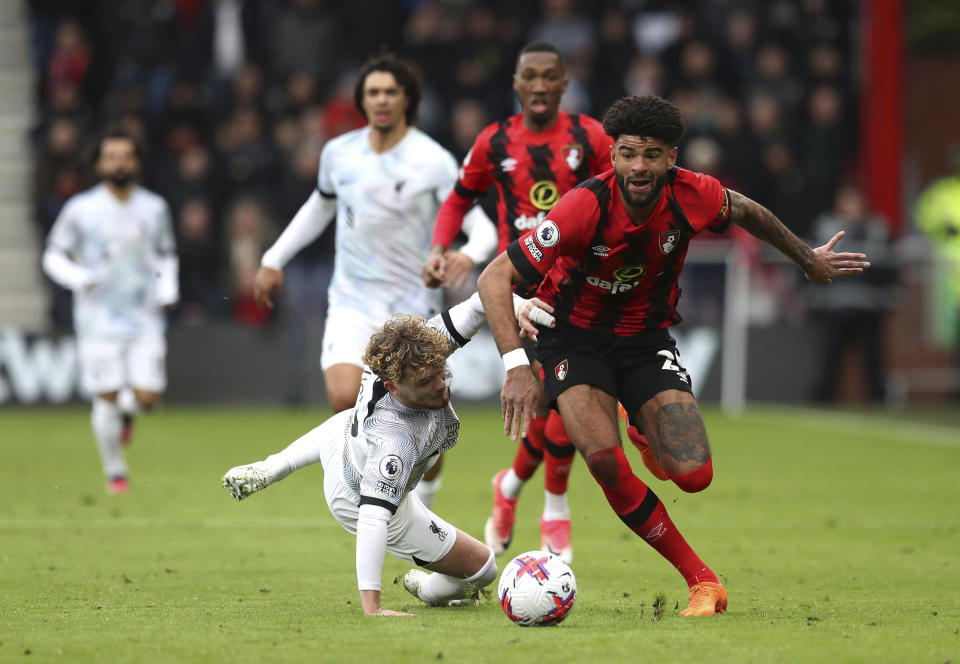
<point x="836" y="534"/>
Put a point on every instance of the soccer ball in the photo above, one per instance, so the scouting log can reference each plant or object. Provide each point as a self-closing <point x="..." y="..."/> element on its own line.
<point x="537" y="588"/>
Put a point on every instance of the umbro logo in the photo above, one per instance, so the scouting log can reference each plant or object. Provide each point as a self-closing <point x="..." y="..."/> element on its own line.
<point x="658" y="531"/>
<point x="508" y="164"/>
<point x="601" y="250"/>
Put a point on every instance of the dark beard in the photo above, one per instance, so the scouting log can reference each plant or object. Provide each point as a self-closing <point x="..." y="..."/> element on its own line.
<point x="121" y="180"/>
<point x="628" y="197"/>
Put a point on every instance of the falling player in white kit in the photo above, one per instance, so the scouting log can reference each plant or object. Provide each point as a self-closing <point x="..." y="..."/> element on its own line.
<point x="385" y="183"/>
<point x="113" y="246"/>
<point x="376" y="453"/>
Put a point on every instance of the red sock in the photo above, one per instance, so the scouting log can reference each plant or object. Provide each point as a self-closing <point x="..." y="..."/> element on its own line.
<point x="640" y="509"/>
<point x="696" y="480"/>
<point x="530" y="450"/>
<point x="558" y="455"/>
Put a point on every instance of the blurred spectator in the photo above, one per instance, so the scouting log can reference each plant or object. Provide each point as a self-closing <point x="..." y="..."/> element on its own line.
<point x="562" y="26"/>
<point x="852" y="313"/>
<point x="306" y="37"/>
<point x="248" y="230"/>
<point x="611" y="62"/>
<point x="938" y="217"/>
<point x="825" y="142"/>
<point x="200" y="294"/>
<point x="248" y="158"/>
<point x="225" y="93"/>
<point x="70" y="61"/>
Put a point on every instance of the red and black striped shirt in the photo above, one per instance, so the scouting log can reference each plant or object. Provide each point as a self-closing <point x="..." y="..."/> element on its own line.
<point x="601" y="270"/>
<point x="530" y="171"/>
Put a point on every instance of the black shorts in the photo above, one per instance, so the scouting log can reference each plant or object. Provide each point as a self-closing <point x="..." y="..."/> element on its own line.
<point x="631" y="369"/>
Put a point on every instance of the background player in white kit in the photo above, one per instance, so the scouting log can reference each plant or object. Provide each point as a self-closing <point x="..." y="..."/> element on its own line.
<point x="385" y="183"/>
<point x="113" y="246"/>
<point x="374" y="454"/>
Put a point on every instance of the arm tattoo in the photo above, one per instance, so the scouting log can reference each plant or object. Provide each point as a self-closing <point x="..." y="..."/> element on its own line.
<point x="762" y="223"/>
<point x="681" y="433"/>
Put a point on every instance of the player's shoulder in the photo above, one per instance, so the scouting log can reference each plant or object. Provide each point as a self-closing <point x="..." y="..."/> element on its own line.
<point x="423" y="145"/>
<point x="587" y="198"/>
<point x="588" y="122"/>
<point x="144" y="196"/>
<point x="87" y="200"/>
<point x="497" y="127"/>
<point x="693" y="184"/>
<point x="350" y="140"/>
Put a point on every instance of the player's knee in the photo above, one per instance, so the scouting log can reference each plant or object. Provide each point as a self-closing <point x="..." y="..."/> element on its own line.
<point x="696" y="480"/>
<point x="487" y="573"/>
<point x="147" y="400"/>
<point x="605" y="466"/>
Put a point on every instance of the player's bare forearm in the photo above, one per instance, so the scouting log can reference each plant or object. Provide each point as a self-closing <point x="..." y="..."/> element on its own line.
<point x="762" y="223"/>
<point x="820" y="265"/>
<point x="495" y="286"/>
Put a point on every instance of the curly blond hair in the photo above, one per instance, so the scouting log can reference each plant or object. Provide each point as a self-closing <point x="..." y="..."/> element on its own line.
<point x="405" y="342"/>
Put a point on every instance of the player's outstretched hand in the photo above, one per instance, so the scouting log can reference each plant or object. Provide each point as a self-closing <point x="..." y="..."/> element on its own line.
<point x="267" y="282"/>
<point x="531" y="313"/>
<point x="518" y="401"/>
<point x="458" y="266"/>
<point x="828" y="264"/>
<point x="435" y="268"/>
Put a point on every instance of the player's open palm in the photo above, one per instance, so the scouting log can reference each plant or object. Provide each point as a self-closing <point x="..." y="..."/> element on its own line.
<point x="267" y="282"/>
<point x="828" y="263"/>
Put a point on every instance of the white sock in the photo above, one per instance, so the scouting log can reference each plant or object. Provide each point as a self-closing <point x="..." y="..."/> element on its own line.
<point x="440" y="588"/>
<point x="304" y="451"/>
<point x="555" y="506"/>
<point x="510" y="485"/>
<point x="127" y="401"/>
<point x="107" y="422"/>
<point x="427" y="490"/>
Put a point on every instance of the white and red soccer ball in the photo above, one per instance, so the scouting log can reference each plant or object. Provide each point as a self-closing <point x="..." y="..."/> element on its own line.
<point x="537" y="588"/>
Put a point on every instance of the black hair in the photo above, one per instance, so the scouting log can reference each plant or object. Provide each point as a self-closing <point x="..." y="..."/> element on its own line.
<point x="116" y="131"/>
<point x="649" y="116"/>
<point x="407" y="78"/>
<point x="541" y="47"/>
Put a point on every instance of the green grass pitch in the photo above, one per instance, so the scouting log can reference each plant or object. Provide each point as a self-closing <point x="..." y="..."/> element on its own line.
<point x="836" y="534"/>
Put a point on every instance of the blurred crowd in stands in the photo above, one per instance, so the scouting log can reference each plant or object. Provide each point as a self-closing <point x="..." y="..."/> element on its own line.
<point x="233" y="100"/>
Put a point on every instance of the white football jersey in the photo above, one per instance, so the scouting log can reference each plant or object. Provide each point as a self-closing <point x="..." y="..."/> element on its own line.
<point x="386" y="206"/>
<point x="388" y="446"/>
<point x="120" y="241"/>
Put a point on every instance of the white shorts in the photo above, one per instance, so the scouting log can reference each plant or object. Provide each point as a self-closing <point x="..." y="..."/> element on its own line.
<point x="345" y="336"/>
<point x="414" y="533"/>
<point x="108" y="365"/>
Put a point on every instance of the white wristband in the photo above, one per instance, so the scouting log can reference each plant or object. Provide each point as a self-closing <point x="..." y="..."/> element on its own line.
<point x="515" y="358"/>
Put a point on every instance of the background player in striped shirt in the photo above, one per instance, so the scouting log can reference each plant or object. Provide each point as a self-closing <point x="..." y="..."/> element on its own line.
<point x="113" y="246"/>
<point x="609" y="256"/>
<point x="531" y="159"/>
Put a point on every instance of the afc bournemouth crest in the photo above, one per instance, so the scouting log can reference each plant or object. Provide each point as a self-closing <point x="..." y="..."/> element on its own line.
<point x="573" y="155"/>
<point x="669" y="241"/>
<point x="560" y="371"/>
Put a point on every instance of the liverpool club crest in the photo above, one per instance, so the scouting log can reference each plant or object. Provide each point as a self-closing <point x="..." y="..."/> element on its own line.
<point x="573" y="155"/>
<point x="669" y="241"/>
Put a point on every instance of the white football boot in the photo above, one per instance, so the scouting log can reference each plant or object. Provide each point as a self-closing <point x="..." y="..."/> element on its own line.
<point x="243" y="481"/>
